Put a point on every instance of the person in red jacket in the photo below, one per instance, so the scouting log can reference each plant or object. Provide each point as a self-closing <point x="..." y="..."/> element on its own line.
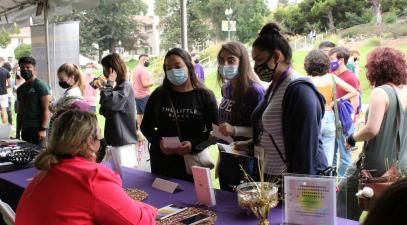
<point x="71" y="187"/>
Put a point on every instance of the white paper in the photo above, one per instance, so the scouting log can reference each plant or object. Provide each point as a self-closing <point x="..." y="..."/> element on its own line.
<point x="310" y="200"/>
<point x="5" y="131"/>
<point x="228" y="149"/>
<point x="219" y="135"/>
<point x="11" y="141"/>
<point x="165" y="185"/>
<point x="172" y="142"/>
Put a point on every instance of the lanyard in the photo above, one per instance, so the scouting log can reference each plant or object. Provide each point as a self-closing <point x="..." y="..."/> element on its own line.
<point x="273" y="88"/>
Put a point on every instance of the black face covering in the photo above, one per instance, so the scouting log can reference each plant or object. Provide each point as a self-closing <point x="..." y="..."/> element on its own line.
<point x="264" y="72"/>
<point x="26" y="74"/>
<point x="64" y="84"/>
<point x="146" y="63"/>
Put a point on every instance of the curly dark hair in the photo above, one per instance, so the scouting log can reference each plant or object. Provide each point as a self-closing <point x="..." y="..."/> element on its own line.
<point x="316" y="63"/>
<point x="386" y="65"/>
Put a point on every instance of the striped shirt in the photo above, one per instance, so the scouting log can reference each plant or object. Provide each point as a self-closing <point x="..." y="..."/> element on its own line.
<point x="272" y="120"/>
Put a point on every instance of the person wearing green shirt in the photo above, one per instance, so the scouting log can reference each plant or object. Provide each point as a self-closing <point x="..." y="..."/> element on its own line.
<point x="33" y="98"/>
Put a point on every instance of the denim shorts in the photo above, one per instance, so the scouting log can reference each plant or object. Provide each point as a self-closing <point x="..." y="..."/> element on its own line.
<point x="141" y="105"/>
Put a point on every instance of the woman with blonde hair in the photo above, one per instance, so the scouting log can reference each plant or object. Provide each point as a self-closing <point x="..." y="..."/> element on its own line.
<point x="117" y="106"/>
<point x="71" y="188"/>
<point x="70" y="78"/>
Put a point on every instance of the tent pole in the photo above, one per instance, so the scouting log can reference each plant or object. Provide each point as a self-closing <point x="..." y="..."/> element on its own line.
<point x="184" y="34"/>
<point x="47" y="41"/>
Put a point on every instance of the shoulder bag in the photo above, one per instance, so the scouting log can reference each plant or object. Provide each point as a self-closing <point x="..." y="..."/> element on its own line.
<point x="202" y="159"/>
<point x="338" y="123"/>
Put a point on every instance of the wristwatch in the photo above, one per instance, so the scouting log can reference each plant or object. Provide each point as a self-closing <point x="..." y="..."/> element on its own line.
<point x="42" y="129"/>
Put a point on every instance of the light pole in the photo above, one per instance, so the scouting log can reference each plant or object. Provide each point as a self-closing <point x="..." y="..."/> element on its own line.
<point x="228" y="14"/>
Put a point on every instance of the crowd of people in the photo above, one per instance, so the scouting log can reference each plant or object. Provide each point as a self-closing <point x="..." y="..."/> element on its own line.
<point x="271" y="111"/>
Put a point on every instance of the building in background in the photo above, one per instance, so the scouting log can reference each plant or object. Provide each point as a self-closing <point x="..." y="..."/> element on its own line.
<point x="146" y="32"/>
<point x="24" y="37"/>
<point x="274" y="4"/>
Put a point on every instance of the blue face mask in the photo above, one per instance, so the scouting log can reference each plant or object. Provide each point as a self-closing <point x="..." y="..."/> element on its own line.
<point x="177" y="76"/>
<point x="229" y="72"/>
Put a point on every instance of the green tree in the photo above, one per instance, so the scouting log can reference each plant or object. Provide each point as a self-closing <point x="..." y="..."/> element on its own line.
<point x="22" y="50"/>
<point x="4" y="38"/>
<point x="325" y="8"/>
<point x="323" y="15"/>
<point x="107" y="24"/>
<point x="249" y="19"/>
<point x="170" y="23"/>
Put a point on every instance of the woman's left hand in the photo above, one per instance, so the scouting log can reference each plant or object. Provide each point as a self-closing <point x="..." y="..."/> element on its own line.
<point x="185" y="148"/>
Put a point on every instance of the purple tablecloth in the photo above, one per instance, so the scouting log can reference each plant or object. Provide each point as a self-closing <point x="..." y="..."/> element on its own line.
<point x="226" y="208"/>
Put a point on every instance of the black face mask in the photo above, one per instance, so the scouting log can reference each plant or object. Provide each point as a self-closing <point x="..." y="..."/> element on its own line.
<point x="146" y="63"/>
<point x="26" y="74"/>
<point x="64" y="84"/>
<point x="264" y="72"/>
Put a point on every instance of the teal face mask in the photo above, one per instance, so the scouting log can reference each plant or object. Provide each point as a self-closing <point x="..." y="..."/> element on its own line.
<point x="177" y="76"/>
<point x="229" y="72"/>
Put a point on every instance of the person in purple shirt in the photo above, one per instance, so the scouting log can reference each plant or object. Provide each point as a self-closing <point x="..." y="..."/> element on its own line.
<point x="199" y="70"/>
<point x="241" y="93"/>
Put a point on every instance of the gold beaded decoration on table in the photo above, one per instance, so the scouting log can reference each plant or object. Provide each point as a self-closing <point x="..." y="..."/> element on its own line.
<point x="190" y="211"/>
<point x="136" y="194"/>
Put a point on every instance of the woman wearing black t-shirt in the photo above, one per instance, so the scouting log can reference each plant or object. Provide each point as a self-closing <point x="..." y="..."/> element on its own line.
<point x="195" y="109"/>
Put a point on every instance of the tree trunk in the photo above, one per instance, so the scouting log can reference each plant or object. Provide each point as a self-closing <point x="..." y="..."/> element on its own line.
<point x="100" y="52"/>
<point x="377" y="10"/>
<point x="112" y="43"/>
<point x="331" y="23"/>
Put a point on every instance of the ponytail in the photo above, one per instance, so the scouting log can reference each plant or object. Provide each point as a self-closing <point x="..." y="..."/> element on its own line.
<point x="45" y="160"/>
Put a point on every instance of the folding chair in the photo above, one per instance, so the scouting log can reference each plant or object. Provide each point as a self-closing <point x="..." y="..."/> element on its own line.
<point x="9" y="216"/>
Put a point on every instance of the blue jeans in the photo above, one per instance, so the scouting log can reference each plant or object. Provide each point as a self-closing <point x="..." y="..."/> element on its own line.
<point x="328" y="135"/>
<point x="345" y="155"/>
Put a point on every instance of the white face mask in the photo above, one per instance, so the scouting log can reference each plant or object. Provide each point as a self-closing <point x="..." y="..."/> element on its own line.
<point x="229" y="72"/>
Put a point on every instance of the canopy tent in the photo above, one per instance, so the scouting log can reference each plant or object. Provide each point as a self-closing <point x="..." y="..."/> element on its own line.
<point x="25" y="12"/>
<point x="28" y="12"/>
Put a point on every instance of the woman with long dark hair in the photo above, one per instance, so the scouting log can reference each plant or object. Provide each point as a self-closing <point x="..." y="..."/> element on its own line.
<point x="287" y="123"/>
<point x="181" y="107"/>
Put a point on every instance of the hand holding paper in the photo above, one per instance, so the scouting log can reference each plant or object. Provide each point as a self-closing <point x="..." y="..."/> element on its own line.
<point x="185" y="148"/>
<point x="219" y="135"/>
<point x="226" y="129"/>
<point x="171" y="142"/>
<point x="168" y="145"/>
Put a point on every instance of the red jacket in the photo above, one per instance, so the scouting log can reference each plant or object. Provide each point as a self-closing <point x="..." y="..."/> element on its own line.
<point x="79" y="192"/>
